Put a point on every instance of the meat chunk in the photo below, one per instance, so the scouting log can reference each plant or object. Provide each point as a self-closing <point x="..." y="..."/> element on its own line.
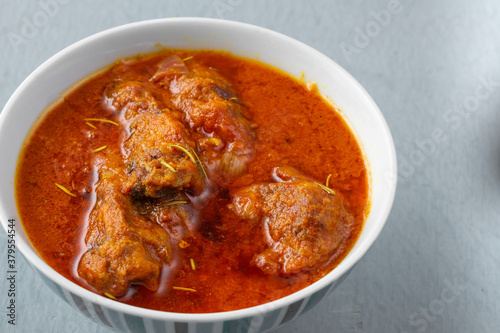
<point x="211" y="108"/>
<point x="124" y="247"/>
<point x="132" y="98"/>
<point x="302" y="222"/>
<point x="156" y="164"/>
<point x="159" y="156"/>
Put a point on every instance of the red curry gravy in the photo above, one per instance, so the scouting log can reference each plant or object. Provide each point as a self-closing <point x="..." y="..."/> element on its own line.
<point x="296" y="127"/>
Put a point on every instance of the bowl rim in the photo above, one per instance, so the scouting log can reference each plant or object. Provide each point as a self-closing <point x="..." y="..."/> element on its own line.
<point x="35" y="260"/>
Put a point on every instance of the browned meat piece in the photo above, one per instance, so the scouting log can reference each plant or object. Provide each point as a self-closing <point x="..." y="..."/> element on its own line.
<point x="132" y="98"/>
<point x="155" y="166"/>
<point x="302" y="223"/>
<point x="211" y="108"/>
<point x="155" y="157"/>
<point x="125" y="247"/>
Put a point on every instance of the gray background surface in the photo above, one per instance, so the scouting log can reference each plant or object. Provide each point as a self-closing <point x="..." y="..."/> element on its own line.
<point x="436" y="265"/>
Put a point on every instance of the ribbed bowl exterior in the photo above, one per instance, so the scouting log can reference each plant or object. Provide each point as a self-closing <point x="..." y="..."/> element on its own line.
<point x="123" y="322"/>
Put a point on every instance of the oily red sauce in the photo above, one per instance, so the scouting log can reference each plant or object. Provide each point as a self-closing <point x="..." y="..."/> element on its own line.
<point x="296" y="127"/>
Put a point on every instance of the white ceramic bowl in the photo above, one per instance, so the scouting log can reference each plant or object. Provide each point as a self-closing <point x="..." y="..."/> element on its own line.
<point x="69" y="66"/>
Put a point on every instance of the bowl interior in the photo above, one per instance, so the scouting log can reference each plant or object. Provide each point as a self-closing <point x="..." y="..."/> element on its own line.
<point x="69" y="66"/>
